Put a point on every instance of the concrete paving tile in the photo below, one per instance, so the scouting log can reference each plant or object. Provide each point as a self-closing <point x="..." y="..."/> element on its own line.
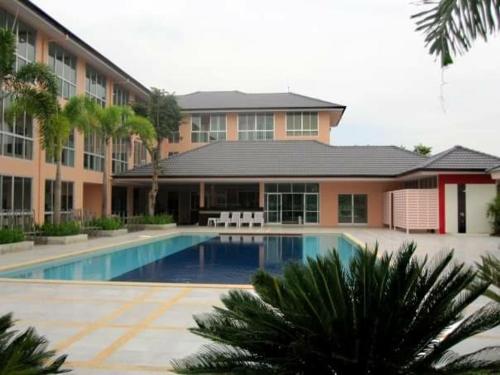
<point x="136" y="314"/>
<point x="178" y="316"/>
<point x="163" y="294"/>
<point x="89" y="346"/>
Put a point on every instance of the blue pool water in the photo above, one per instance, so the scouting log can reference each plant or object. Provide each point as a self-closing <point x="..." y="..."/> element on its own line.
<point x="193" y="258"/>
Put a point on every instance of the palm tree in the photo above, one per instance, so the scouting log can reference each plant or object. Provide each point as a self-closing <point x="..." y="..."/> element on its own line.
<point x="26" y="353"/>
<point x="451" y="26"/>
<point x="55" y="132"/>
<point x="33" y="87"/>
<point x="164" y="113"/>
<point x="489" y="271"/>
<point x="380" y="315"/>
<point x="115" y="122"/>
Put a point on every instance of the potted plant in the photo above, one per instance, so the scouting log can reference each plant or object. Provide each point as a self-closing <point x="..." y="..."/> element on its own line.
<point x="12" y="240"/>
<point x="109" y="227"/>
<point x="61" y="234"/>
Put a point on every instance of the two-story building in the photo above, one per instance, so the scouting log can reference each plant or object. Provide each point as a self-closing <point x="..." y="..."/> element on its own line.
<point x="240" y="152"/>
<point x="26" y="174"/>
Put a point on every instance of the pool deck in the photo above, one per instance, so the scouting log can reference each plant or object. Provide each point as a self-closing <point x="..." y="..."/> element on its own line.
<point x="135" y="328"/>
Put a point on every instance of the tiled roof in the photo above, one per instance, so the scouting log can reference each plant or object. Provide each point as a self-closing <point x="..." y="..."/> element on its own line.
<point x="284" y="158"/>
<point x="237" y="100"/>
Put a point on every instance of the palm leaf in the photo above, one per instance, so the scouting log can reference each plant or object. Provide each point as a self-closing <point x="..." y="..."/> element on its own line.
<point x="451" y="26"/>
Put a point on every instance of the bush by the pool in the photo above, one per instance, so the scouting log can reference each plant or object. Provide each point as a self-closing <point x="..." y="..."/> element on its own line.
<point x="11" y="236"/>
<point x="378" y="315"/>
<point x="156" y="219"/>
<point x="69" y="228"/>
<point x="26" y="352"/>
<point x="108" y="223"/>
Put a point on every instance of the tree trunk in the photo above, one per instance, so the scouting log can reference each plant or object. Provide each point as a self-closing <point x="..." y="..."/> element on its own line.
<point x="154" y="183"/>
<point x="57" y="192"/>
<point x="105" y="180"/>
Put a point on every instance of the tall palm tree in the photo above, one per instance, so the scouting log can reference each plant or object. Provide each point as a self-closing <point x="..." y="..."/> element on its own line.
<point x="26" y="353"/>
<point x="380" y="315"/>
<point x="115" y="122"/>
<point x="451" y="26"/>
<point x="55" y="132"/>
<point x="33" y="87"/>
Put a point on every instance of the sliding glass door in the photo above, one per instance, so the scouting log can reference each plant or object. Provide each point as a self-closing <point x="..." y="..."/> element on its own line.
<point x="353" y="209"/>
<point x="273" y="208"/>
<point x="292" y="203"/>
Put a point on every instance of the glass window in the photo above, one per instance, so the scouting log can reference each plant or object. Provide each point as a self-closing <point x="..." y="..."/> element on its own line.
<point x="292" y="203"/>
<point x="174" y="137"/>
<point x="120" y="155"/>
<point x="68" y="153"/>
<point x="15" y="194"/>
<point x="63" y="64"/>
<point x="120" y="96"/>
<point x="66" y="199"/>
<point x="353" y="208"/>
<point x="140" y="154"/>
<point x="93" y="155"/>
<point x="95" y="86"/>
<point x="255" y="126"/>
<point x="16" y="135"/>
<point x="301" y="123"/>
<point x="208" y="128"/>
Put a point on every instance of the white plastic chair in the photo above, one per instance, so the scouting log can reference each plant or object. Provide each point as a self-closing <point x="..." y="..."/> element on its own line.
<point x="247" y="219"/>
<point x="258" y="218"/>
<point x="235" y="218"/>
<point x="223" y="219"/>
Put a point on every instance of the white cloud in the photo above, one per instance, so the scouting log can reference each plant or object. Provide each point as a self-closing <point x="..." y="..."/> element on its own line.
<point x="364" y="54"/>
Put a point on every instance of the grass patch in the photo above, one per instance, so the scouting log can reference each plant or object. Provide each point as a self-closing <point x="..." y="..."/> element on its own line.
<point x="108" y="223"/>
<point x="59" y="230"/>
<point x="11" y="236"/>
<point x="156" y="219"/>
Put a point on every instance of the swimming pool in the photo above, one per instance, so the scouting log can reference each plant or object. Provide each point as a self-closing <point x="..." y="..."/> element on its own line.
<point x="190" y="258"/>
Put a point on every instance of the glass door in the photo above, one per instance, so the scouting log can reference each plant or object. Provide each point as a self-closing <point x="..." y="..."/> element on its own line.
<point x="273" y="208"/>
<point x="311" y="208"/>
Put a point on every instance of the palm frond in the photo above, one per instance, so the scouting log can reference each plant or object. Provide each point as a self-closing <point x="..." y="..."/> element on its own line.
<point x="451" y="26"/>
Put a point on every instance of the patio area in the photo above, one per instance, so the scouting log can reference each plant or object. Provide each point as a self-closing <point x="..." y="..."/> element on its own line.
<point x="107" y="328"/>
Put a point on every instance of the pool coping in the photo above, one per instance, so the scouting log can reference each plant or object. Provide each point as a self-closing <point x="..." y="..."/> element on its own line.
<point x="150" y="237"/>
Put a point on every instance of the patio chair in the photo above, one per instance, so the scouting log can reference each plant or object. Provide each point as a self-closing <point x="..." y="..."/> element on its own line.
<point x="223" y="219"/>
<point x="247" y="219"/>
<point x="235" y="218"/>
<point x="258" y="218"/>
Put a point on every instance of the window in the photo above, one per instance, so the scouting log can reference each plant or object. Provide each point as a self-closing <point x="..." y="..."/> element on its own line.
<point x="422" y="183"/>
<point x="68" y="153"/>
<point x="172" y="153"/>
<point x="255" y="126"/>
<point x="15" y="194"/>
<point x="16" y="137"/>
<point x="66" y="198"/>
<point x="93" y="155"/>
<point x="208" y="128"/>
<point x="174" y="137"/>
<point x="95" y="86"/>
<point x="120" y="155"/>
<point x="63" y="64"/>
<point x="301" y="123"/>
<point x="120" y="96"/>
<point x="353" y="208"/>
<point x="140" y="152"/>
<point x="289" y="203"/>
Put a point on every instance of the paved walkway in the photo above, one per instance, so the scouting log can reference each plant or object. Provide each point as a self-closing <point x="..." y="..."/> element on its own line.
<point x="137" y="329"/>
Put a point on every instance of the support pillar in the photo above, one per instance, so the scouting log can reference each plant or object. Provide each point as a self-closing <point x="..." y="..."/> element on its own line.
<point x="130" y="201"/>
<point x="261" y="195"/>
<point x="202" y="194"/>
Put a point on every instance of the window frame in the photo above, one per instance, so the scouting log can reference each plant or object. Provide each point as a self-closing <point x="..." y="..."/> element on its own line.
<point x="205" y="136"/>
<point x="352" y="209"/>
<point x="302" y="131"/>
<point x="67" y="205"/>
<point x="140" y="154"/>
<point x="5" y="211"/>
<point x="255" y="129"/>
<point x="100" y="83"/>
<point x="119" y="159"/>
<point x="93" y="156"/>
<point x="61" y="78"/>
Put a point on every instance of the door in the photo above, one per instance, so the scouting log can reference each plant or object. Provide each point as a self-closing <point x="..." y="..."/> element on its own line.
<point x="273" y="206"/>
<point x="461" y="209"/>
<point x="311" y="210"/>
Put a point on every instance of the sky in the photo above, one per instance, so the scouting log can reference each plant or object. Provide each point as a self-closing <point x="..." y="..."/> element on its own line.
<point x="364" y="54"/>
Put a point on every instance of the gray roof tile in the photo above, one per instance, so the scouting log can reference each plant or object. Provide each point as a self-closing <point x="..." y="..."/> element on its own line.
<point x="285" y="158"/>
<point x="237" y="100"/>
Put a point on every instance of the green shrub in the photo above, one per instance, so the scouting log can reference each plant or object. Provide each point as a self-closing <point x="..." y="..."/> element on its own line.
<point x="26" y="352"/>
<point x="58" y="230"/>
<point x="157" y="219"/>
<point x="11" y="236"/>
<point x="494" y="215"/>
<point x="108" y="223"/>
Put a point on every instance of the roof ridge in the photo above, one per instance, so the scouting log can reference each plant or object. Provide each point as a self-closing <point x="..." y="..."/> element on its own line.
<point x="476" y="151"/>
